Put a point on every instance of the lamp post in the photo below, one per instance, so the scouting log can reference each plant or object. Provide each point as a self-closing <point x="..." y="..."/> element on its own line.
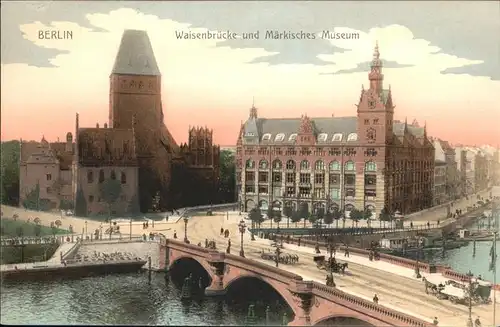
<point x="417" y="267"/>
<point x="330" y="249"/>
<point x="242" y="226"/>
<point x="186" y="230"/>
<point x="469" y="321"/>
<point x="85" y="227"/>
<point x="130" y="228"/>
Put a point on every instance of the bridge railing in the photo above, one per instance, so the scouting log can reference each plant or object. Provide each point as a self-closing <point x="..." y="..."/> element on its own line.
<point x="398" y="317"/>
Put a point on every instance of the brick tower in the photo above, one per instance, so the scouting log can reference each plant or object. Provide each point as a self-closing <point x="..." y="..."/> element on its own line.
<point x="135" y="99"/>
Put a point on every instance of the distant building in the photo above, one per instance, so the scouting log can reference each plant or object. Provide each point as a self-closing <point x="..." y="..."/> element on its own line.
<point x="440" y="195"/>
<point x="444" y="153"/>
<point x="366" y="161"/>
<point x="136" y="148"/>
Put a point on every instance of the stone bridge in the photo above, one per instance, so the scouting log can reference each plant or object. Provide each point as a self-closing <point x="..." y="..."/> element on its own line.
<point x="312" y="303"/>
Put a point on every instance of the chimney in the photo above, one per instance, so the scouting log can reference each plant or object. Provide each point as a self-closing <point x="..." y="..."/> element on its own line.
<point x="97" y="125"/>
<point x="105" y="125"/>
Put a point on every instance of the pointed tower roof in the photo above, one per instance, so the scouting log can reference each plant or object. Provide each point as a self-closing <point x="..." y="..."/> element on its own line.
<point x="135" y="55"/>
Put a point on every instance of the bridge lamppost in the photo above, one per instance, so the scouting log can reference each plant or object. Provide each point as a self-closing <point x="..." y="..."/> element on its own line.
<point x="242" y="227"/>
<point x="331" y="248"/>
<point x="186" y="230"/>
<point x="417" y="266"/>
<point x="85" y="227"/>
<point x="470" y="290"/>
<point x="277" y="256"/>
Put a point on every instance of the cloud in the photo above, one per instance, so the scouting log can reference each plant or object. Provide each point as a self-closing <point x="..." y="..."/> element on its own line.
<point x="462" y="29"/>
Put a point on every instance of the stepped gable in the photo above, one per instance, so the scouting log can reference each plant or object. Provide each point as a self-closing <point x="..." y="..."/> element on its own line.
<point x="135" y="55"/>
<point x="106" y="147"/>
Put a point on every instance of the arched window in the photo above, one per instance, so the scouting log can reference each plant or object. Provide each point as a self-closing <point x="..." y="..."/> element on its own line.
<point x="290" y="164"/>
<point x="266" y="137"/>
<point x="337" y="137"/>
<point x="322" y="137"/>
<point x="263" y="164"/>
<point x="334" y="165"/>
<point x="113" y="175"/>
<point x="305" y="165"/>
<point x="276" y="164"/>
<point x="90" y="176"/>
<point x="250" y="164"/>
<point x="349" y="166"/>
<point x="352" y="137"/>
<point x="279" y="138"/>
<point x="370" y="166"/>
<point x="319" y="165"/>
<point x="123" y="178"/>
<point x="292" y="137"/>
<point x="101" y="176"/>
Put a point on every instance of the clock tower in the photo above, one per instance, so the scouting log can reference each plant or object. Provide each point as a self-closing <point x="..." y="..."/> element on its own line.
<point x="375" y="108"/>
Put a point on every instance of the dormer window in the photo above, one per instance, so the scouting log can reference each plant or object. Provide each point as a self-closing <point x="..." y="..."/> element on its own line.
<point x="249" y="134"/>
<point x="266" y="137"/>
<point x="322" y="137"/>
<point x="279" y="138"/>
<point x="292" y="137"/>
<point x="337" y="137"/>
<point x="352" y="137"/>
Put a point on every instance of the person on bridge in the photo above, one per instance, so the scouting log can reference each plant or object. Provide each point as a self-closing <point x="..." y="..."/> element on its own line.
<point x="435" y="322"/>
<point x="375" y="299"/>
<point x="428" y="225"/>
<point x="346" y="253"/>
<point x="175" y="234"/>
<point x="477" y="322"/>
<point x="222" y="230"/>
<point x="411" y="224"/>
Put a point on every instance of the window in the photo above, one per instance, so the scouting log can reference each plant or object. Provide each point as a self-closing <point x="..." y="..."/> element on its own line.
<point x="276" y="177"/>
<point x="304" y="165"/>
<point x="370" y="166"/>
<point x="141" y="85"/>
<point x="249" y="188"/>
<point x="349" y="166"/>
<point x="367" y="122"/>
<point x="319" y="178"/>
<point x="335" y="193"/>
<point x="123" y="178"/>
<point x="334" y="179"/>
<point x="319" y="193"/>
<point x="352" y="137"/>
<point x="250" y="164"/>
<point x="372" y="192"/>
<point x="263" y="189"/>
<point x="263" y="164"/>
<point x="91" y="198"/>
<point x="49" y="177"/>
<point x="350" y="179"/>
<point x="266" y="137"/>
<point x="290" y="164"/>
<point x="290" y="177"/>
<point x="292" y="137"/>
<point x="305" y="178"/>
<point x="279" y="137"/>
<point x="334" y="165"/>
<point x="370" y="180"/>
<point x="48" y="190"/>
<point x="337" y="137"/>
<point x="249" y="176"/>
<point x="371" y="135"/>
<point x="276" y="164"/>
<point x="319" y="165"/>
<point x="132" y="84"/>
<point x="322" y="137"/>
<point x="90" y="176"/>
<point x="263" y="177"/>
<point x="350" y="192"/>
<point x="113" y="175"/>
<point x="249" y="134"/>
<point x="101" y="176"/>
<point x="290" y="191"/>
<point x="304" y="192"/>
<point x="375" y="121"/>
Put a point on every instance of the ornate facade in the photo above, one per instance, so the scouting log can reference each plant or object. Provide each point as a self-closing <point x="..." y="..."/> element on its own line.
<point x="136" y="147"/>
<point x="366" y="161"/>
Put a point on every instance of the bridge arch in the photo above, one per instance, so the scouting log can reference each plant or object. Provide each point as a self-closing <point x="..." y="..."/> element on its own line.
<point x="191" y="262"/>
<point x="352" y="320"/>
<point x="278" y="287"/>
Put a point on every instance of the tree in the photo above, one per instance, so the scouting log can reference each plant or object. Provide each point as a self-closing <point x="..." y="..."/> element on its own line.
<point x="227" y="177"/>
<point x="296" y="217"/>
<point x="277" y="218"/>
<point x="270" y="214"/>
<point x="133" y="206"/>
<point x="337" y="214"/>
<point x="110" y="191"/>
<point x="320" y="214"/>
<point x="356" y="215"/>
<point x="384" y="215"/>
<point x="37" y="220"/>
<point x="81" y="204"/>
<point x="287" y="212"/>
<point x="37" y="230"/>
<point x="304" y="212"/>
<point x="9" y="170"/>
<point x="66" y="205"/>
<point x="328" y="219"/>
<point x="58" y="223"/>
<point x="32" y="199"/>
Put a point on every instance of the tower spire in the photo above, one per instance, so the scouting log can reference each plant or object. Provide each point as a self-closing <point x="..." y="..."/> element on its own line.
<point x="375" y="76"/>
<point x="253" y="110"/>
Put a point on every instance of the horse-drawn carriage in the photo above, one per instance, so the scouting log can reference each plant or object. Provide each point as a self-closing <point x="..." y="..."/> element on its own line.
<point x="284" y="258"/>
<point x="330" y="264"/>
<point x="458" y="292"/>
